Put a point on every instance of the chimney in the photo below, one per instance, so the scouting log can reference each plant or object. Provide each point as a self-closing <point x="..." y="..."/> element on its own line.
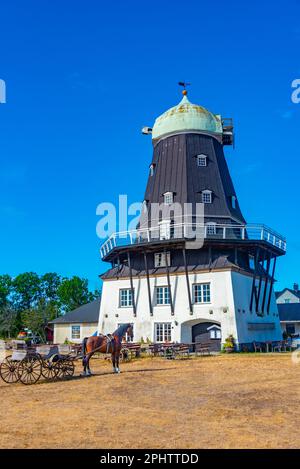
<point x="296" y="287"/>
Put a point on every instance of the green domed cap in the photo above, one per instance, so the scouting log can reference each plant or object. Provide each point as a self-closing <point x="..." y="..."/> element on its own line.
<point x="186" y="117"/>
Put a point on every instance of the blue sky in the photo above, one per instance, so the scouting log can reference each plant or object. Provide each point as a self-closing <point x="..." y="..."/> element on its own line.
<point x="84" y="77"/>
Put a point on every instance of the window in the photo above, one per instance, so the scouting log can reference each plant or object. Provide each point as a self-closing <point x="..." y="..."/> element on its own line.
<point x="162" y="332"/>
<point x="215" y="334"/>
<point x="206" y="197"/>
<point x="211" y="229"/>
<point x="127" y="337"/>
<point x="75" y="332"/>
<point x="202" y="160"/>
<point x="162" y="295"/>
<point x="287" y="300"/>
<point x="201" y="292"/>
<point x="125" y="298"/>
<point x="168" y="198"/>
<point x="233" y="201"/>
<point x="160" y="260"/>
<point x="290" y="329"/>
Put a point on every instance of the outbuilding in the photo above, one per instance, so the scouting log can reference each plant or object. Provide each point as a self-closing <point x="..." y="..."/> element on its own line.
<point x="80" y="323"/>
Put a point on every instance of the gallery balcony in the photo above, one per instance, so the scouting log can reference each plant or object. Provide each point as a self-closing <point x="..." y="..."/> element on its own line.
<point x="212" y="232"/>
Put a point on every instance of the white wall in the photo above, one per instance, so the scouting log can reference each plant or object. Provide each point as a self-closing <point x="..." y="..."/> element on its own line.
<point x="297" y="326"/>
<point x="230" y="292"/>
<point x="63" y="332"/>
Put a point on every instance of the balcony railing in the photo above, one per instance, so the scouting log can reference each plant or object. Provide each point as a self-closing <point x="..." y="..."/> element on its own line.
<point x="192" y="231"/>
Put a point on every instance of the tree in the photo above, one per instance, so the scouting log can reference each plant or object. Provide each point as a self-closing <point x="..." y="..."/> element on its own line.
<point x="37" y="318"/>
<point x="9" y="323"/>
<point x="74" y="292"/>
<point x="5" y="289"/>
<point x="50" y="283"/>
<point x="27" y="290"/>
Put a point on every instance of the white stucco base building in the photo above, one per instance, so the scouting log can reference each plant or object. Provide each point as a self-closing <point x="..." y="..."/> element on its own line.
<point x="228" y="307"/>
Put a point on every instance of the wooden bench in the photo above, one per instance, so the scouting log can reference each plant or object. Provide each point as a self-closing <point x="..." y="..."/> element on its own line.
<point x="202" y="349"/>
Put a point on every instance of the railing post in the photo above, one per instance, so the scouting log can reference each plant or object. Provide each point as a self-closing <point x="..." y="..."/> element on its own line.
<point x="262" y="234"/>
<point x="130" y="237"/>
<point x="148" y="236"/>
<point x="243" y="233"/>
<point x="224" y="232"/>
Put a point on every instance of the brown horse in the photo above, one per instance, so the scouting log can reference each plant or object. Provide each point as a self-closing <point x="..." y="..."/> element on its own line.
<point x="111" y="343"/>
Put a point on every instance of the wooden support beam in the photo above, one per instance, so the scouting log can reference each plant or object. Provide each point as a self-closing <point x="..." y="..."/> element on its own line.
<point x="260" y="282"/>
<point x="271" y="285"/>
<point x="131" y="284"/>
<point x="169" y="283"/>
<point x="266" y="283"/>
<point x="148" y="284"/>
<point x="119" y="267"/>
<point x="253" y="291"/>
<point x="187" y="281"/>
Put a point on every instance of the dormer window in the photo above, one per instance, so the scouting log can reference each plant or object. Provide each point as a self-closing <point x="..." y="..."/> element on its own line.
<point x="233" y="201"/>
<point x="152" y="168"/>
<point x="201" y="160"/>
<point x="168" y="198"/>
<point x="206" y="197"/>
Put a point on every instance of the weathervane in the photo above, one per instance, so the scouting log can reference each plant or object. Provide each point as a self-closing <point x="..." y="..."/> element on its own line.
<point x="184" y="84"/>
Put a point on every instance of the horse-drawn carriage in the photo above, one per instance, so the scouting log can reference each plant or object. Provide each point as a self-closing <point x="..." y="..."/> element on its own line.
<point x="28" y="365"/>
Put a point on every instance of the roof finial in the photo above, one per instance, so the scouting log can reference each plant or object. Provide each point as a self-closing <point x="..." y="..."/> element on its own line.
<point x="184" y="84"/>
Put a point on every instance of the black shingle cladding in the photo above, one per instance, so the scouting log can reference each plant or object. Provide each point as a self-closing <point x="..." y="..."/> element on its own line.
<point x="176" y="170"/>
<point x="289" y="311"/>
<point x="84" y="314"/>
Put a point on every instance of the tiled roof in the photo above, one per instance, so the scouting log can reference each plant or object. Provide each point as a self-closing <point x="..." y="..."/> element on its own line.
<point x="84" y="314"/>
<point x="289" y="311"/>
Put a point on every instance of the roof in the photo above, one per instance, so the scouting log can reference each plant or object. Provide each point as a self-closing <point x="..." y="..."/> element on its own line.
<point x="84" y="314"/>
<point x="289" y="311"/>
<point x="294" y="292"/>
<point x="176" y="171"/>
<point x="186" y="117"/>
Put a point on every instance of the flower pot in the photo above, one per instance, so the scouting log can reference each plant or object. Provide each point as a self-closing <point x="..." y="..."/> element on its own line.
<point x="229" y="349"/>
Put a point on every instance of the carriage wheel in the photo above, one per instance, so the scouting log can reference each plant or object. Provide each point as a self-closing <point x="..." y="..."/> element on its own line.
<point x="50" y="370"/>
<point x="9" y="371"/>
<point x="30" y="370"/>
<point x="66" y="368"/>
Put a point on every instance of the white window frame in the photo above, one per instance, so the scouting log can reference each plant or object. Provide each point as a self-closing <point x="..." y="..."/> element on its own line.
<point x="168" y="198"/>
<point x="162" y="332"/>
<point x="215" y="332"/>
<point x="77" y="326"/>
<point x="206" y="197"/>
<point x="201" y="161"/>
<point x="160" y="261"/>
<point x="201" y="293"/>
<point x="211" y="228"/>
<point x="127" y="299"/>
<point x="164" y="297"/>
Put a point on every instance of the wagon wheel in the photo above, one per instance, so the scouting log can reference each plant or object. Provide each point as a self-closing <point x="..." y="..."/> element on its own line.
<point x="30" y="370"/>
<point x="66" y="368"/>
<point x="50" y="370"/>
<point x="125" y="355"/>
<point x="9" y="370"/>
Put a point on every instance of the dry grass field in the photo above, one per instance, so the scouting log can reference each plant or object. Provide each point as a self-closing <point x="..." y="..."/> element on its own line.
<point x="226" y="401"/>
